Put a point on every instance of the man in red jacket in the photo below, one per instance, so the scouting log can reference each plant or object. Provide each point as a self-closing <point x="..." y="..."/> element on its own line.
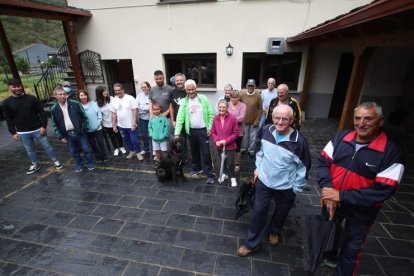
<point x="358" y="170"/>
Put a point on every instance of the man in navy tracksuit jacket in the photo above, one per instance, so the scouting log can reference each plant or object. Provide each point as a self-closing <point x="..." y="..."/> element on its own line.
<point x="357" y="171"/>
<point x="282" y="167"/>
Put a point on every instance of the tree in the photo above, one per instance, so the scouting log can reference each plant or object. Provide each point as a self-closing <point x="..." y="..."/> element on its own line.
<point x="22" y="64"/>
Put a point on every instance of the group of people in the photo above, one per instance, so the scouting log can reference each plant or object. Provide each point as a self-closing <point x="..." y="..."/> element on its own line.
<point x="357" y="170"/>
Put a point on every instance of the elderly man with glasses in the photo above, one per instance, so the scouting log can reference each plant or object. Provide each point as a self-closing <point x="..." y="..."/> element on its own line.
<point x="282" y="167"/>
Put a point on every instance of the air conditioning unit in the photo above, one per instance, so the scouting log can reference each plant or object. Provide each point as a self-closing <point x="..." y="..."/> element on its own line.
<point x="275" y="46"/>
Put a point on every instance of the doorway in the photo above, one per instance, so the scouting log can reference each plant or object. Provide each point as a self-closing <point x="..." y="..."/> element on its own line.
<point x="120" y="71"/>
<point x="341" y="85"/>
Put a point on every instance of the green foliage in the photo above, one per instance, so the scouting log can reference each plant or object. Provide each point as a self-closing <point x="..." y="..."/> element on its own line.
<point x="22" y="31"/>
<point x="28" y="84"/>
<point x="52" y="61"/>
<point x="22" y="64"/>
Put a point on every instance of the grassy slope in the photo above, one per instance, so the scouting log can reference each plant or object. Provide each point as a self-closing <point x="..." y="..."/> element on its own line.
<point x="23" y="31"/>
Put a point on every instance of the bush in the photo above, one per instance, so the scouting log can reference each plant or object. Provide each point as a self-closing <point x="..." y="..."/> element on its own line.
<point x="22" y="65"/>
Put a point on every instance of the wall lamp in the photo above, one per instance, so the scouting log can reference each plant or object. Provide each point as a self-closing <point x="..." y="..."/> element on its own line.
<point x="229" y="50"/>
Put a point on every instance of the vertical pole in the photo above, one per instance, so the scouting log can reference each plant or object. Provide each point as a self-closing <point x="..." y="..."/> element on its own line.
<point x="362" y="56"/>
<point x="304" y="96"/>
<point x="72" y="48"/>
<point x="8" y="53"/>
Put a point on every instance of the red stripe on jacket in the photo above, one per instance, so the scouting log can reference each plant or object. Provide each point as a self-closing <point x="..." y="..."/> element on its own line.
<point x="343" y="179"/>
<point x="387" y="181"/>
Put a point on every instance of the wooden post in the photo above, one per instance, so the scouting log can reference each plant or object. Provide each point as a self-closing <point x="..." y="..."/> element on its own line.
<point x="362" y="56"/>
<point x="304" y="96"/>
<point x="8" y="53"/>
<point x="71" y="41"/>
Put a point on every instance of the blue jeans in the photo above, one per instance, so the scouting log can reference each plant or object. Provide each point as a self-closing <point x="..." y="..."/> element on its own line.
<point x="28" y="142"/>
<point x="131" y="139"/>
<point x="262" y="120"/>
<point x="249" y="139"/>
<point x="200" y="142"/>
<point x="283" y="202"/>
<point x="77" y="142"/>
<point x="143" y="128"/>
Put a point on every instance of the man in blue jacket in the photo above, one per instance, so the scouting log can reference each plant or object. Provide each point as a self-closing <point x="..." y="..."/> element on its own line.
<point x="282" y="167"/>
<point x="358" y="170"/>
<point x="70" y="122"/>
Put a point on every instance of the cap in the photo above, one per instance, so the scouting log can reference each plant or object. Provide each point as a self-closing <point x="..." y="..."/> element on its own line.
<point x="14" y="82"/>
<point x="251" y="82"/>
<point x="66" y="83"/>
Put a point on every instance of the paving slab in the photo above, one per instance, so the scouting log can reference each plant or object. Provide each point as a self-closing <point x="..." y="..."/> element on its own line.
<point x="119" y="220"/>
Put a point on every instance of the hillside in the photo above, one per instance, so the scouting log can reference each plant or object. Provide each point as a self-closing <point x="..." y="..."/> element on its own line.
<point x="23" y="31"/>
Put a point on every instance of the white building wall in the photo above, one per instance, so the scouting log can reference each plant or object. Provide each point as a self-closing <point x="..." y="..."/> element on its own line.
<point x="144" y="30"/>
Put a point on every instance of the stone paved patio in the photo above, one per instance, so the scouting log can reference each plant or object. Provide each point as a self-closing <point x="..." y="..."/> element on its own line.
<point x="118" y="220"/>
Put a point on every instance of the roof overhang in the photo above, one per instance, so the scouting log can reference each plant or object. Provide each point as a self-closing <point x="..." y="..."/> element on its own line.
<point x="380" y="22"/>
<point x="42" y="11"/>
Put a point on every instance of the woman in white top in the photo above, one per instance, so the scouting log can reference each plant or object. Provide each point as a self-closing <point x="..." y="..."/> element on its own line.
<point x="143" y="103"/>
<point x="103" y="99"/>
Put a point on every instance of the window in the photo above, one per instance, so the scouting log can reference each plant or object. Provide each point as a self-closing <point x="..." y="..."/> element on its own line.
<point x="199" y="67"/>
<point x="182" y="1"/>
<point x="259" y="66"/>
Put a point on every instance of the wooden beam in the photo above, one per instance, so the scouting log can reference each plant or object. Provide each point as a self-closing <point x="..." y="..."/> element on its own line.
<point x="304" y="95"/>
<point x="8" y="53"/>
<point x="375" y="10"/>
<point x="362" y="56"/>
<point x="398" y="38"/>
<point x="35" y="7"/>
<point x="71" y="41"/>
<point x="37" y="14"/>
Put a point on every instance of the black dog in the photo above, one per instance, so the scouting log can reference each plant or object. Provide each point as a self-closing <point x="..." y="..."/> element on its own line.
<point x="172" y="163"/>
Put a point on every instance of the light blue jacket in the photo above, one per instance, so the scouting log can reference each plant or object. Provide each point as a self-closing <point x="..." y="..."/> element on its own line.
<point x="284" y="165"/>
<point x="94" y="115"/>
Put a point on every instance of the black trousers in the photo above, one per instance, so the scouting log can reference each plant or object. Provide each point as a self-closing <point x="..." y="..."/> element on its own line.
<point x="116" y="138"/>
<point x="200" y="151"/>
<point x="355" y="236"/>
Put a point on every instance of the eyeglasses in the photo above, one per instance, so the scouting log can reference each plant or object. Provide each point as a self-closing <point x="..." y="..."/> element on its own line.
<point x="117" y="90"/>
<point x="278" y="119"/>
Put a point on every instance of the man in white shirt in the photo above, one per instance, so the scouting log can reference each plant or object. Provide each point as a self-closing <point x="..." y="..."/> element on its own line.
<point x="124" y="110"/>
<point x="195" y="115"/>
<point x="267" y="95"/>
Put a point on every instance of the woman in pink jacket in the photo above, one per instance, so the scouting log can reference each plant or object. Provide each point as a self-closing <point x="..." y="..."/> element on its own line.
<point x="224" y="133"/>
<point x="238" y="110"/>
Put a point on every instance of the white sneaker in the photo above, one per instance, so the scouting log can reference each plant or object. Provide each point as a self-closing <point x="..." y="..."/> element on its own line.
<point x="57" y="164"/>
<point x="223" y="178"/>
<point x="33" y="168"/>
<point x="122" y="149"/>
<point x="140" y="157"/>
<point x="233" y="182"/>
<point x="116" y="152"/>
<point x="131" y="154"/>
<point x="142" y="152"/>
